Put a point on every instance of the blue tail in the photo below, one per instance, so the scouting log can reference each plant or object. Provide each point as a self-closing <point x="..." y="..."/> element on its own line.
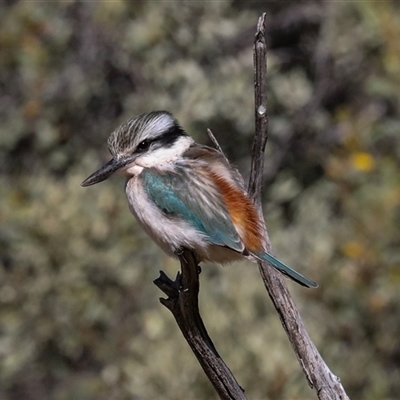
<point x="291" y="273"/>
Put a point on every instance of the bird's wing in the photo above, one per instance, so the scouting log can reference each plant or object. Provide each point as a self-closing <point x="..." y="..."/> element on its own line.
<point x="195" y="199"/>
<point x="204" y="154"/>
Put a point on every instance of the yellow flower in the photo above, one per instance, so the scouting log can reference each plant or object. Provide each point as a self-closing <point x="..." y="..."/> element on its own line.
<point x="362" y="161"/>
<point x="353" y="249"/>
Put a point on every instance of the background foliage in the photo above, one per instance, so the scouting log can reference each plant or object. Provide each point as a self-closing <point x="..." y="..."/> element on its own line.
<point x="79" y="315"/>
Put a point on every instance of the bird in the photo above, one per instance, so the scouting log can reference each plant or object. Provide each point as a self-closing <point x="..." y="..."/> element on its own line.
<point x="187" y="195"/>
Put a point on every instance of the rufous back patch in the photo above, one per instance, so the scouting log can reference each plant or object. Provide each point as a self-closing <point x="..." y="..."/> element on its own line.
<point x="243" y="213"/>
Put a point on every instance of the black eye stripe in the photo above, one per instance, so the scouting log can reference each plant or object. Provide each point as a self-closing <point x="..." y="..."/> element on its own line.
<point x="167" y="139"/>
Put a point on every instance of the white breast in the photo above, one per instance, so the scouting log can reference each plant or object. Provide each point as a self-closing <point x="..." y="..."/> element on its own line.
<point x="169" y="233"/>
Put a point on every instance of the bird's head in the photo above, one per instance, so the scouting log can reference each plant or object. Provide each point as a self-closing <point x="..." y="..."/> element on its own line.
<point x="145" y="141"/>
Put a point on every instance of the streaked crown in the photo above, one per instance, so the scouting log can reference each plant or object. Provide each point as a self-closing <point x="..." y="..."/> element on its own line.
<point x="155" y="129"/>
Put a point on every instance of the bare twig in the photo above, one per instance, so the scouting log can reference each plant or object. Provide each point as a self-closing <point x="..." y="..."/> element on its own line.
<point x="319" y="376"/>
<point x="183" y="302"/>
<point x="216" y="144"/>
<point x="261" y="113"/>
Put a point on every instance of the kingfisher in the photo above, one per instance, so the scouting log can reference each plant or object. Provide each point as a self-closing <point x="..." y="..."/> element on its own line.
<point x="187" y="195"/>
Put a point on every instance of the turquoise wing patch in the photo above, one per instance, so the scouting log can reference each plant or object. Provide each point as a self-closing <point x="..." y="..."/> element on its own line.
<point x="179" y="195"/>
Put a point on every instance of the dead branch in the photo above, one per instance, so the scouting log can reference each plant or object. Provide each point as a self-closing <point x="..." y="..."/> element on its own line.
<point x="183" y="303"/>
<point x="319" y="376"/>
<point x="182" y="293"/>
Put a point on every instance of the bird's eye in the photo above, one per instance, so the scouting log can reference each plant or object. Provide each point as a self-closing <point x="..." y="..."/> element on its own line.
<point x="143" y="145"/>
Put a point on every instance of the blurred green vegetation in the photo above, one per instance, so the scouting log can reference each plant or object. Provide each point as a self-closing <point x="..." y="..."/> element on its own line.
<point x="79" y="315"/>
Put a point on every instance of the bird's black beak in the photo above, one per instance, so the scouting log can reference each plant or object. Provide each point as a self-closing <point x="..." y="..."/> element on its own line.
<point x="106" y="171"/>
